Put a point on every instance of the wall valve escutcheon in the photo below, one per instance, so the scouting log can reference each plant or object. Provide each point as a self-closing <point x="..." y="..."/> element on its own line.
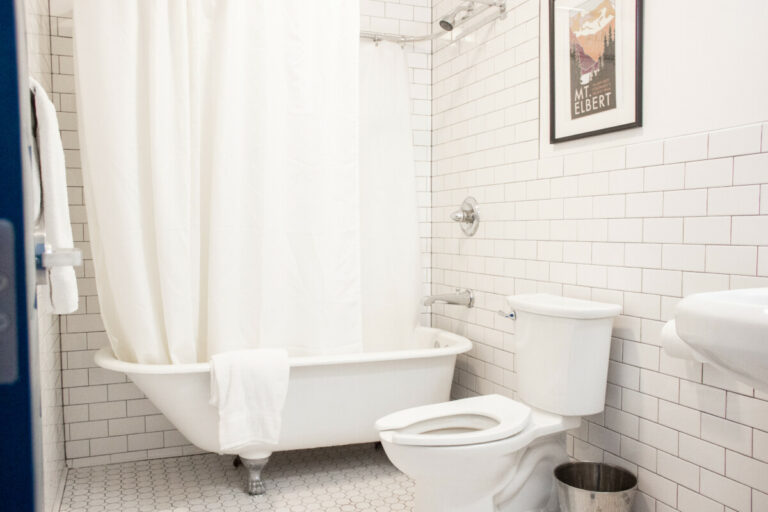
<point x="467" y="216"/>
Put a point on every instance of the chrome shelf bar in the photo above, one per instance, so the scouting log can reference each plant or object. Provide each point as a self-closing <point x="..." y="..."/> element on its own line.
<point x="500" y="8"/>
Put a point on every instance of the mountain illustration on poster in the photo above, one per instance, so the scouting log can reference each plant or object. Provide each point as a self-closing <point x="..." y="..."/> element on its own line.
<point x="592" y="41"/>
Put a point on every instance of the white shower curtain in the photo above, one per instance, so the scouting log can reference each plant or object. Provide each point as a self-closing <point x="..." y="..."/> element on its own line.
<point x="219" y="143"/>
<point x="390" y="275"/>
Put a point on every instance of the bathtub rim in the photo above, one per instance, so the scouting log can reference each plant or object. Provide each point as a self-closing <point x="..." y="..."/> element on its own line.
<point x="455" y="344"/>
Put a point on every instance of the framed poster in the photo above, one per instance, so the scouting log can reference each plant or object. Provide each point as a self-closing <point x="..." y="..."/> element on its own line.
<point x="595" y="67"/>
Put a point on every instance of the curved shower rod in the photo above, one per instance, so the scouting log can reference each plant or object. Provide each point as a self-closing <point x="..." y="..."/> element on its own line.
<point x="467" y="8"/>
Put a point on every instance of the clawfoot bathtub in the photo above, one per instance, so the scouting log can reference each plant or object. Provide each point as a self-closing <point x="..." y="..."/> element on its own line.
<point x="332" y="400"/>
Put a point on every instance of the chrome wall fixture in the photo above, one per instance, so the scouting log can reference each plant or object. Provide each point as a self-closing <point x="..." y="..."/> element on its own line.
<point x="461" y="297"/>
<point x="45" y="258"/>
<point x="467" y="216"/>
<point x="485" y="11"/>
<point x="461" y="13"/>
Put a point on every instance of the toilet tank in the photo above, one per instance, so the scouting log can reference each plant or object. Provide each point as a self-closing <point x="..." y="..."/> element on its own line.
<point x="561" y="352"/>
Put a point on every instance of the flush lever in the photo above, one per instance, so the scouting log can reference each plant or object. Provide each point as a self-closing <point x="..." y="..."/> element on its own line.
<point x="511" y="315"/>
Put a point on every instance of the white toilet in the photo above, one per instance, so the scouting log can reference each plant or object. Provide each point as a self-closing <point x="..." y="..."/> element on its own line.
<point x="492" y="453"/>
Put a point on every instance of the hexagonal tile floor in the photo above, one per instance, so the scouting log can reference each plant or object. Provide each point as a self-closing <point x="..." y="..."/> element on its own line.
<point x="347" y="478"/>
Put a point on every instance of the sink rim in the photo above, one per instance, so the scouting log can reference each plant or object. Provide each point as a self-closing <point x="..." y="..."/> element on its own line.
<point x="729" y="328"/>
<point x="724" y="307"/>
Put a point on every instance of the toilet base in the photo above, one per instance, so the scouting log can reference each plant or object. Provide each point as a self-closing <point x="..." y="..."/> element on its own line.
<point x="521" y="482"/>
<point x="439" y="499"/>
<point x="539" y="492"/>
<point x="436" y="499"/>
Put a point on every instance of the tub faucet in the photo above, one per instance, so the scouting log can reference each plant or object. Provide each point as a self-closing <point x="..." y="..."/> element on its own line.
<point x="461" y="298"/>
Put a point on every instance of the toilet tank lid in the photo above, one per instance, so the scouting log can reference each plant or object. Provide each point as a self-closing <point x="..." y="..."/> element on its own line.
<point x="565" y="307"/>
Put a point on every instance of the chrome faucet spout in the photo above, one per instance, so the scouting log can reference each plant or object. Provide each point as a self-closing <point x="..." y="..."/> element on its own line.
<point x="460" y="298"/>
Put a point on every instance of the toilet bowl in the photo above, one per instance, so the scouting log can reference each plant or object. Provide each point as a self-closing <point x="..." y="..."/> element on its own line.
<point x="491" y="453"/>
<point x="476" y="454"/>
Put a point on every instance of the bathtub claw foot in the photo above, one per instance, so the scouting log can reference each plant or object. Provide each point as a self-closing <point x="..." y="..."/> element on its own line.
<point x="236" y="461"/>
<point x="254" y="485"/>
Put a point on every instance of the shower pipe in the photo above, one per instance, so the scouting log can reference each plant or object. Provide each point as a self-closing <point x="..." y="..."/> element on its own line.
<point x="468" y="7"/>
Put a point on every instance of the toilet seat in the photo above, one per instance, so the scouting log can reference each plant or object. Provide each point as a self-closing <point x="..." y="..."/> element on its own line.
<point x="475" y="420"/>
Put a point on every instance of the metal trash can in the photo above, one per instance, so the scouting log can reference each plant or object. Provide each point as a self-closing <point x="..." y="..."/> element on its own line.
<point x="594" y="487"/>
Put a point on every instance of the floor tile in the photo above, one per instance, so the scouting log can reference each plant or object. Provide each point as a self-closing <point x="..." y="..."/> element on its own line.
<point x="348" y="478"/>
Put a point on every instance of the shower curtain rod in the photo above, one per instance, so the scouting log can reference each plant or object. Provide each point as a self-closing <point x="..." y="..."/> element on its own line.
<point x="501" y="13"/>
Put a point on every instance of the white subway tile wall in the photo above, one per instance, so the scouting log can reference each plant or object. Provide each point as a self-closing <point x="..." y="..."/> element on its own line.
<point x="51" y="405"/>
<point x="107" y="418"/>
<point x="639" y="225"/>
<point x="38" y="43"/>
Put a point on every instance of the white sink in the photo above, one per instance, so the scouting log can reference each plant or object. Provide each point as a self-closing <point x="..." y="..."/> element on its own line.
<point x="727" y="329"/>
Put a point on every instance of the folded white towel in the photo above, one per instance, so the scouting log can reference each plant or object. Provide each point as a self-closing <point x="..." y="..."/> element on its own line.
<point x="249" y="388"/>
<point x="53" y="176"/>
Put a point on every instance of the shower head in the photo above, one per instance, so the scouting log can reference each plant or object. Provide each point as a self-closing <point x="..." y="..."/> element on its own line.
<point x="448" y="22"/>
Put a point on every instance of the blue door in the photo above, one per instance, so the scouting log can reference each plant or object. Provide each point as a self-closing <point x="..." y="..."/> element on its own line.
<point x="19" y="433"/>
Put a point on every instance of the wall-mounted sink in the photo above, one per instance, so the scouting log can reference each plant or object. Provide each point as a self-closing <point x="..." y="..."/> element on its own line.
<point x="727" y="329"/>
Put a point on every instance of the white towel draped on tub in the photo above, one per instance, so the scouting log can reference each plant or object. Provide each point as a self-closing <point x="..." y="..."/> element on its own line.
<point x="53" y="177"/>
<point x="249" y="388"/>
